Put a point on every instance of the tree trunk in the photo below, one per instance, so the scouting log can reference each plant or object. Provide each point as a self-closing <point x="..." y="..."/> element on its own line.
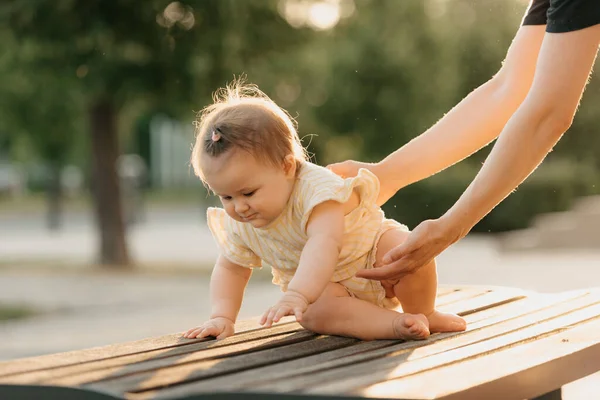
<point x="54" y="198"/>
<point x="105" y="184"/>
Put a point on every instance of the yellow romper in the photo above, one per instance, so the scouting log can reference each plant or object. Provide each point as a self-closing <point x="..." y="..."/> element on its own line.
<point x="280" y="244"/>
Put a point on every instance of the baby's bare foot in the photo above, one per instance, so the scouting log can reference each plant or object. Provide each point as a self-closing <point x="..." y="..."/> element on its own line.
<point x="445" y="322"/>
<point x="411" y="326"/>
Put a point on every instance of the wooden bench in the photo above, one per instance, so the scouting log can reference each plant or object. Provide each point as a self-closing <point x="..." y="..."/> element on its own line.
<point x="518" y="345"/>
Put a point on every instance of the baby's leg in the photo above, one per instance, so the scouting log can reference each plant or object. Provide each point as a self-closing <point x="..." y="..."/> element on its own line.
<point x="417" y="292"/>
<point x="336" y="313"/>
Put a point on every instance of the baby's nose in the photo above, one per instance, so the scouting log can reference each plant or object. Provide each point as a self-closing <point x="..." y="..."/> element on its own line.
<point x="241" y="207"/>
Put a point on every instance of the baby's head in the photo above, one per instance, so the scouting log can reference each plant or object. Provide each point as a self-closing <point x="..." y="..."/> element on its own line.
<point x="247" y="151"/>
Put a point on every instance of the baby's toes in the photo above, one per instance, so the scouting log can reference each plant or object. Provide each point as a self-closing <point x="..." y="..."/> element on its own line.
<point x="410" y="326"/>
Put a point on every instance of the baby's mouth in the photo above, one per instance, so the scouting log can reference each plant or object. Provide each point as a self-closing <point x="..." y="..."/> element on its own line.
<point x="249" y="217"/>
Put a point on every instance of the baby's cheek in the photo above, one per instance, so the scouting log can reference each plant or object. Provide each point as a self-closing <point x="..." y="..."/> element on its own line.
<point x="231" y="212"/>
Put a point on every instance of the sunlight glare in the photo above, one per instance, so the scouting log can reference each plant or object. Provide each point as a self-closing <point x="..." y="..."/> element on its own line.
<point x="319" y="15"/>
<point x="324" y="15"/>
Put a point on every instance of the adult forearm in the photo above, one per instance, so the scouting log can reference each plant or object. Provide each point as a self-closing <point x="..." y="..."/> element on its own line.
<point x="472" y="124"/>
<point x="521" y="148"/>
<point x="475" y="121"/>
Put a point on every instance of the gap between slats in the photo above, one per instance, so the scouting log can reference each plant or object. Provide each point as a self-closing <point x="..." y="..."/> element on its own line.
<point x="169" y="378"/>
<point x="341" y="371"/>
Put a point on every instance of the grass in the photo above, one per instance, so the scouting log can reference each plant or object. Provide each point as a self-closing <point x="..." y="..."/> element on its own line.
<point x="12" y="312"/>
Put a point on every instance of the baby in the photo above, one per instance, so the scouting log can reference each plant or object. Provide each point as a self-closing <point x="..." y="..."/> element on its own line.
<point x="314" y="230"/>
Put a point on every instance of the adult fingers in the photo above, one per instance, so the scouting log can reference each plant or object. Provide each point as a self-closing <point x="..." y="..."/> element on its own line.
<point x="390" y="271"/>
<point x="344" y="169"/>
<point x="398" y="252"/>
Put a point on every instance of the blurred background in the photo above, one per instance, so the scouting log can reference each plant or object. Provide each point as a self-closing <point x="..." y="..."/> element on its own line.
<point x="101" y="218"/>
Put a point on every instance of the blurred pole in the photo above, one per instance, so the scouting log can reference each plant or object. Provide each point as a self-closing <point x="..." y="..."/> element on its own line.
<point x="132" y="175"/>
<point x="54" y="198"/>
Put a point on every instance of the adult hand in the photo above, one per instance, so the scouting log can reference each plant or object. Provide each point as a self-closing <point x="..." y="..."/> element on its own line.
<point x="291" y="303"/>
<point x="425" y="242"/>
<point x="349" y="169"/>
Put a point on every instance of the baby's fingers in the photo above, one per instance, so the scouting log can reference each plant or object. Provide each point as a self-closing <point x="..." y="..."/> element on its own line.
<point x="265" y="317"/>
<point x="192" y="333"/>
<point x="205" y="331"/>
<point x="298" y="314"/>
<point x="271" y="316"/>
<point x="282" y="312"/>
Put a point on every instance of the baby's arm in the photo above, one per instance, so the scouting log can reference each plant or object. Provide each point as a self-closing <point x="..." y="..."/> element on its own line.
<point x="227" y="285"/>
<point x="325" y="230"/>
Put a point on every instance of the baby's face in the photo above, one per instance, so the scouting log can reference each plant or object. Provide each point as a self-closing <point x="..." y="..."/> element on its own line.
<point x="250" y="191"/>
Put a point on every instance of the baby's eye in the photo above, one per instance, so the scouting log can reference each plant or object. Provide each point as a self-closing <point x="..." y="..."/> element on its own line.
<point x="226" y="198"/>
<point x="250" y="193"/>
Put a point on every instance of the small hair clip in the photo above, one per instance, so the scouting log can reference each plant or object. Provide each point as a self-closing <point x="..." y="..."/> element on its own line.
<point x="215" y="136"/>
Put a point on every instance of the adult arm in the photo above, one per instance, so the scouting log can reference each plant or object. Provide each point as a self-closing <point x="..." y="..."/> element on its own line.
<point x="566" y="60"/>
<point x="471" y="124"/>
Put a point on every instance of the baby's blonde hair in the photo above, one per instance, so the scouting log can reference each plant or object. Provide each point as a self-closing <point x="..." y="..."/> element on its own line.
<point x="243" y="117"/>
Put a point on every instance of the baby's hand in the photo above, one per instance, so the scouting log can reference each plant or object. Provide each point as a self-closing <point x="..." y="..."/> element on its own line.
<point x="219" y="327"/>
<point x="291" y="303"/>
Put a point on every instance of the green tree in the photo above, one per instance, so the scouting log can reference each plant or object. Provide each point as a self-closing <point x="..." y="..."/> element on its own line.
<point x="30" y="109"/>
<point x="168" y="55"/>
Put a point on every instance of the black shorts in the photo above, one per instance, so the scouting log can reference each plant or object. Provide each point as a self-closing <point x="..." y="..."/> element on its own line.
<point x="563" y="15"/>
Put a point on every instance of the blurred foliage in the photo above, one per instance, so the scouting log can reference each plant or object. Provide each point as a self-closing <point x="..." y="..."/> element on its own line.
<point x="549" y="189"/>
<point x="383" y="74"/>
<point x="11" y="312"/>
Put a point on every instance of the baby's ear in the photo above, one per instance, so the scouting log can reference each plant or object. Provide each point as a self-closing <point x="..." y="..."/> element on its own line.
<point x="289" y="166"/>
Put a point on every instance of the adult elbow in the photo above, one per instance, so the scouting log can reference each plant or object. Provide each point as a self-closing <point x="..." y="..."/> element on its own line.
<point x="552" y="121"/>
<point x="558" y="121"/>
<point x="510" y="90"/>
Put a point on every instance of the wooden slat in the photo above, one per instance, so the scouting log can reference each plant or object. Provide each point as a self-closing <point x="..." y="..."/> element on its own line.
<point x="37" y="363"/>
<point x="338" y="358"/>
<point x="462" y="294"/>
<point x="202" y="370"/>
<point x="444" y="290"/>
<point x="318" y="368"/>
<point x="522" y="306"/>
<point x="421" y="360"/>
<point x="524" y="371"/>
<point x="480" y="302"/>
<point x="411" y="358"/>
<point x="88" y="377"/>
<point x="212" y="347"/>
<point x="210" y="356"/>
<point x="500" y="321"/>
<point x="14" y="367"/>
<point x="238" y="380"/>
<point x="47" y="374"/>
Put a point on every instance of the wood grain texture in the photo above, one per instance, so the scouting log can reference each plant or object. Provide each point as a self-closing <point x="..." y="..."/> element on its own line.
<point x="15" y="367"/>
<point x="262" y="378"/>
<point x="549" y="362"/>
<point x="211" y="348"/>
<point x="553" y="336"/>
<point x="437" y="352"/>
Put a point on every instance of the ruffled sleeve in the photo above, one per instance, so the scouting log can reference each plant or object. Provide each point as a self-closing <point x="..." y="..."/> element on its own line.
<point x="319" y="185"/>
<point x="229" y="240"/>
